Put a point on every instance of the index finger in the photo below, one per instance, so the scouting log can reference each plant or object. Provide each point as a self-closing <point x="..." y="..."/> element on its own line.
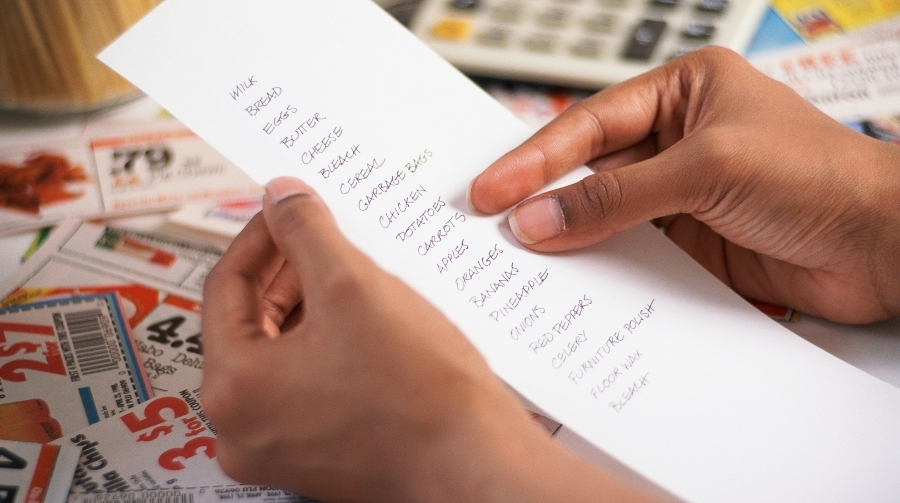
<point x="233" y="291"/>
<point x="611" y="120"/>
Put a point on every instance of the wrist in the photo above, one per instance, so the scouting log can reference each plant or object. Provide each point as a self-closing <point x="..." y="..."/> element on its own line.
<point x="499" y="454"/>
<point x="885" y="184"/>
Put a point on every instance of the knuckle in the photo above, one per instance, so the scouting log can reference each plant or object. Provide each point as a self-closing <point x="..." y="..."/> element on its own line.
<point x="600" y="195"/>
<point x="716" y="56"/>
<point x="594" y="127"/>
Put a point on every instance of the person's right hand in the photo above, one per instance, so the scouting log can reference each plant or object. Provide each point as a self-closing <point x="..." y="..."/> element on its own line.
<point x="776" y="199"/>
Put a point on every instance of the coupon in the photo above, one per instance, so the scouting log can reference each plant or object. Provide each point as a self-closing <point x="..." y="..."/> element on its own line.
<point x="813" y="19"/>
<point x="79" y="254"/>
<point x="112" y="170"/>
<point x="137" y="300"/>
<point x="170" y="345"/>
<point x="166" y="330"/>
<point x="166" y="443"/>
<point x="36" y="473"/>
<point x="158" y="279"/>
<point x="162" y="165"/>
<point x="244" y="494"/>
<point x="850" y="79"/>
<point x="226" y="218"/>
<point x="40" y="184"/>
<point x="65" y="364"/>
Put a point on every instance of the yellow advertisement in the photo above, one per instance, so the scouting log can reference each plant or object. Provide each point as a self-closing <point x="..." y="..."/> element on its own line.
<point x="819" y="18"/>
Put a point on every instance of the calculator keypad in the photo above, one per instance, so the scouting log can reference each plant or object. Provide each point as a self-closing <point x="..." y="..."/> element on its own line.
<point x="633" y="34"/>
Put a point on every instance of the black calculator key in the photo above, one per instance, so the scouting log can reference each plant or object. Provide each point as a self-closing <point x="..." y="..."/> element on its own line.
<point x="464" y="4"/>
<point x="644" y="39"/>
<point x="712" y="6"/>
<point x="698" y="31"/>
<point x="664" y="3"/>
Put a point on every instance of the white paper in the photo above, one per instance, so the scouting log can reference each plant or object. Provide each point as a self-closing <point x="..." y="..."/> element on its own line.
<point x="705" y="396"/>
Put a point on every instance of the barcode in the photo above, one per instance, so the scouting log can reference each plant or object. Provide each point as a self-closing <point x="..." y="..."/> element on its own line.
<point x="132" y="498"/>
<point x="89" y="342"/>
<point x="181" y="498"/>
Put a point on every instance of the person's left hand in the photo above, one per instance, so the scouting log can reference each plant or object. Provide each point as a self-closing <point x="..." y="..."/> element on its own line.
<point x="329" y="377"/>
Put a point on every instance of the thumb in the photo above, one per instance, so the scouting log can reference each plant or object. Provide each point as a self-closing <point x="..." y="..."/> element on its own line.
<point x="305" y="232"/>
<point x="606" y="203"/>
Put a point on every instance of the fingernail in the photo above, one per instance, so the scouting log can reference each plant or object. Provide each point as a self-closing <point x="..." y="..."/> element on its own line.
<point x="537" y="220"/>
<point x="285" y="186"/>
<point x="471" y="206"/>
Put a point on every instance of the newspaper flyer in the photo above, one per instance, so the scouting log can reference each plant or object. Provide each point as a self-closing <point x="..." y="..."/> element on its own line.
<point x="851" y="79"/>
<point x="111" y="170"/>
<point x="85" y="253"/>
<point x="226" y="218"/>
<point x="165" y="444"/>
<point x="160" y="280"/>
<point x="813" y="19"/>
<point x="65" y="364"/>
<point x="36" y="473"/>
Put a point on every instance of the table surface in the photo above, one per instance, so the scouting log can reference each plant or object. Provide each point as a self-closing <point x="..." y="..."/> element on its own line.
<point x="873" y="348"/>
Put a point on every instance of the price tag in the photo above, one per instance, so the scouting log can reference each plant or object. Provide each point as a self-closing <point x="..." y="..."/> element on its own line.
<point x="64" y="364"/>
<point x="170" y="344"/>
<point x="163" y="166"/>
<point x="167" y="442"/>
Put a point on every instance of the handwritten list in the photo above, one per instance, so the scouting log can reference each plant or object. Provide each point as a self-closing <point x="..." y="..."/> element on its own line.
<point x="629" y="343"/>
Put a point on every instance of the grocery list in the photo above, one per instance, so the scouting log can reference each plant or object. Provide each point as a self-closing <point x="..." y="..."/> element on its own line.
<point x="629" y="343"/>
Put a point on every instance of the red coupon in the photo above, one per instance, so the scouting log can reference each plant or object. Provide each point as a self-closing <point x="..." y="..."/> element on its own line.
<point x="166" y="442"/>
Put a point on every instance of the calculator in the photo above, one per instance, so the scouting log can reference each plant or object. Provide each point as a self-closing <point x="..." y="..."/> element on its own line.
<point x="579" y="43"/>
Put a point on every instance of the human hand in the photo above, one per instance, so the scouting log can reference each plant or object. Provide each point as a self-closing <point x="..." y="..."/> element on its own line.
<point x="774" y="198"/>
<point x="329" y="377"/>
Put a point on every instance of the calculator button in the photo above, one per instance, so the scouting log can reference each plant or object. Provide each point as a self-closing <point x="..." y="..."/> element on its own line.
<point x="541" y="42"/>
<point x="451" y="29"/>
<point x="644" y="39"/>
<point x="495" y="37"/>
<point x="464" y="4"/>
<point x="587" y="48"/>
<point x="507" y="13"/>
<point x="698" y="31"/>
<point x="601" y="23"/>
<point x="712" y="6"/>
<point x="664" y="3"/>
<point x="556" y="17"/>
